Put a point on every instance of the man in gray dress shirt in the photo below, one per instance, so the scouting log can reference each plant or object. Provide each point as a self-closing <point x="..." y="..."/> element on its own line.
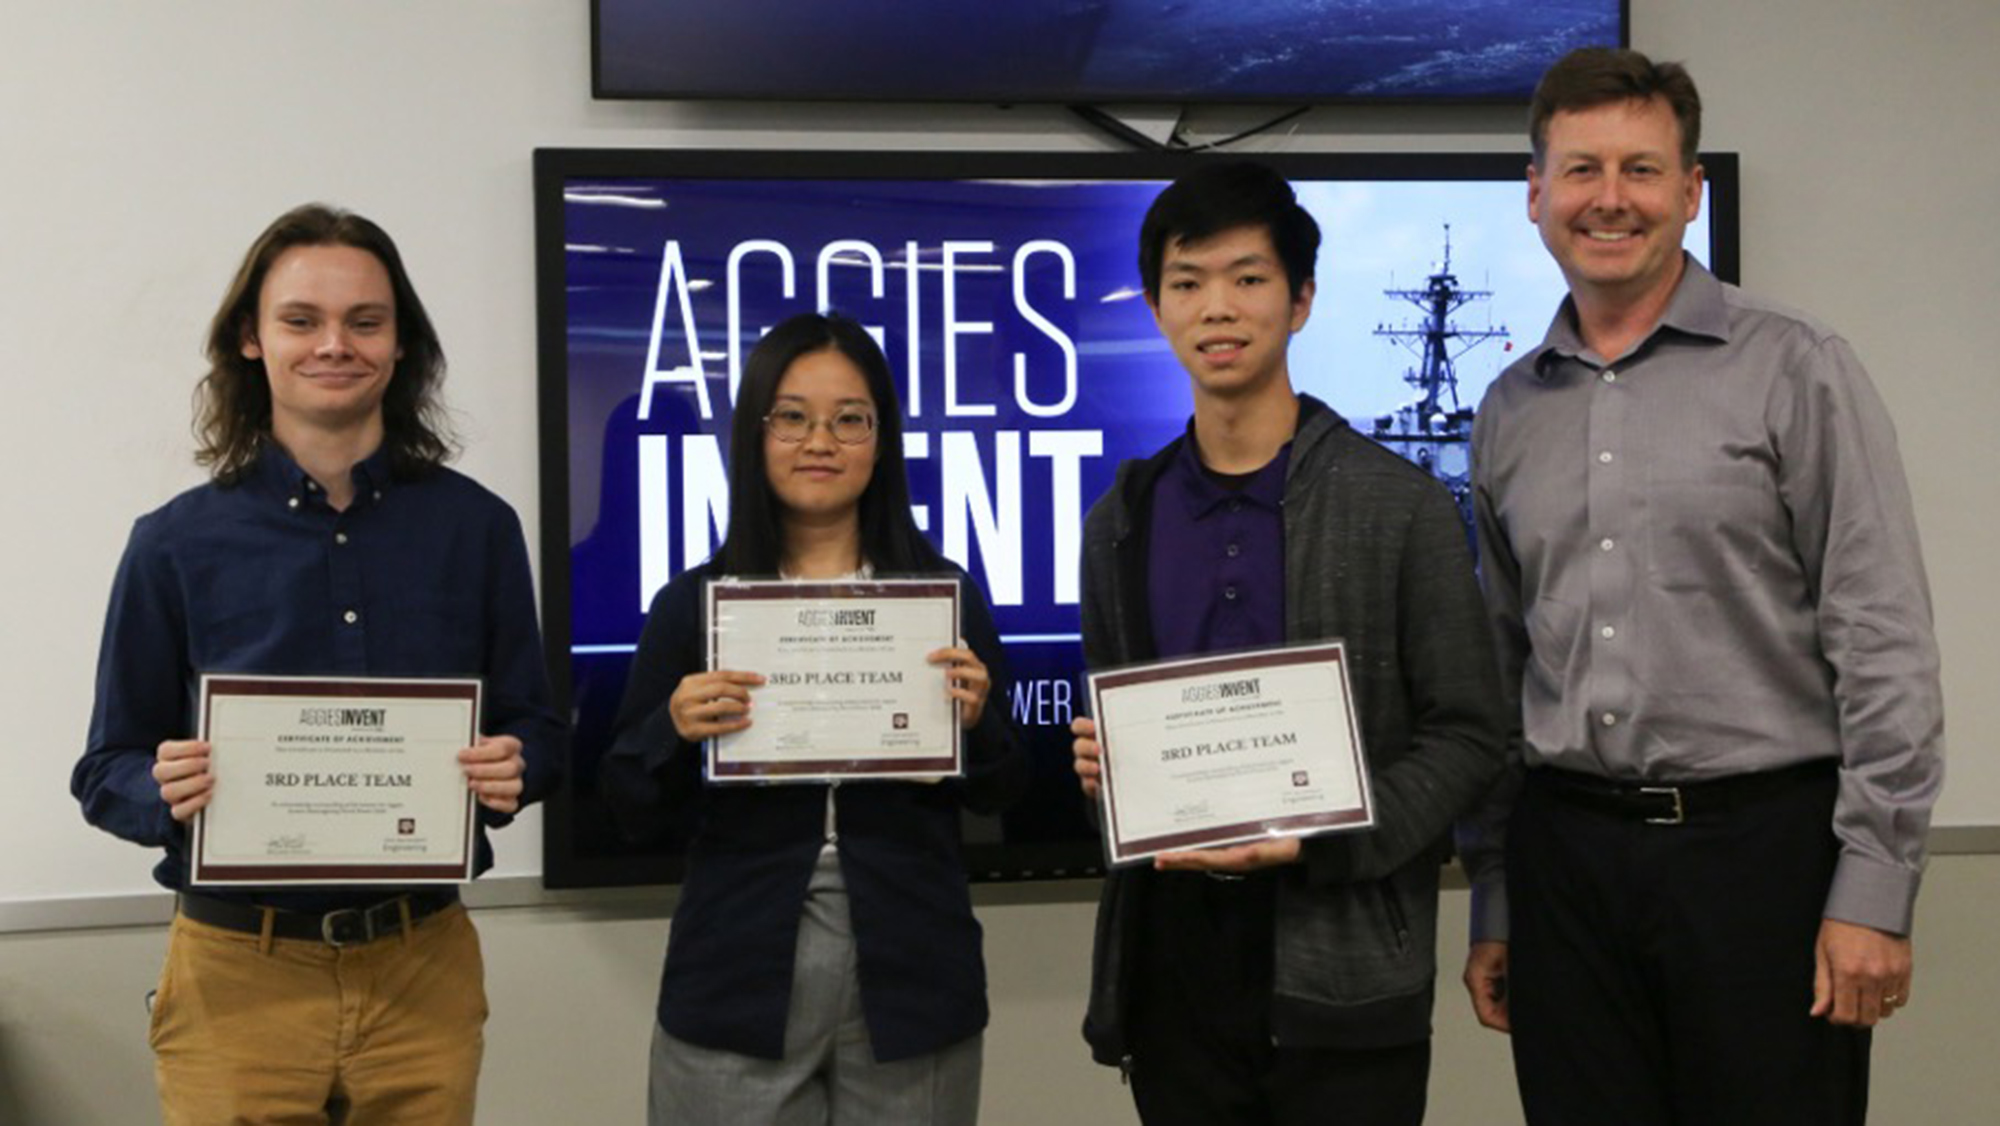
<point x="1692" y="899"/>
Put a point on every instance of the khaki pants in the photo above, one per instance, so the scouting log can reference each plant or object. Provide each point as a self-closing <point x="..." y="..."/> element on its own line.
<point x="388" y="1032"/>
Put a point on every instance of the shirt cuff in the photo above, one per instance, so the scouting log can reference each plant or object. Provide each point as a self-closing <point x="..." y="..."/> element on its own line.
<point x="660" y="740"/>
<point x="168" y="829"/>
<point x="1489" y="911"/>
<point x="1870" y="893"/>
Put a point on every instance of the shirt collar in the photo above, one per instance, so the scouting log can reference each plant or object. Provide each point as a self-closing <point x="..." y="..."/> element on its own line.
<point x="1697" y="308"/>
<point x="1200" y="493"/>
<point x="282" y="477"/>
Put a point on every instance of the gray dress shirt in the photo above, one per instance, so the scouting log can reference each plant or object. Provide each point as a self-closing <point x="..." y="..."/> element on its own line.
<point x="1701" y="561"/>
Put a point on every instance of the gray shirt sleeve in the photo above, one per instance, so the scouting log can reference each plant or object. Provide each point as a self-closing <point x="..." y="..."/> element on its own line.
<point x="1853" y="527"/>
<point x="1482" y="834"/>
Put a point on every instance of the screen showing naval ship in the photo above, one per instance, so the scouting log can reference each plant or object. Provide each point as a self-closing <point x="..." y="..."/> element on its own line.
<point x="1005" y="291"/>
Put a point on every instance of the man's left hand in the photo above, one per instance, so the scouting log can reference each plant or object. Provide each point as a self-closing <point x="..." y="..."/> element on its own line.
<point x="493" y="770"/>
<point x="1861" y="975"/>
<point x="1234" y="859"/>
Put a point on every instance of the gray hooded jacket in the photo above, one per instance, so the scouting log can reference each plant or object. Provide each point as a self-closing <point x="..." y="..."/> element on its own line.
<point x="1375" y="555"/>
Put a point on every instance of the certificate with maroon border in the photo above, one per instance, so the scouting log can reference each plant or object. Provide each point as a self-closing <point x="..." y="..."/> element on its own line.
<point x="336" y="780"/>
<point x="848" y="692"/>
<point x="1221" y="750"/>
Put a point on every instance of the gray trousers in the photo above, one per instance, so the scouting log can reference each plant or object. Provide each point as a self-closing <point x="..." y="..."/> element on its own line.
<point x="829" y="1076"/>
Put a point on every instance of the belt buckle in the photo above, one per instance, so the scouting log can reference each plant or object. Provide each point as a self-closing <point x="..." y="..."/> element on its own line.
<point x="1679" y="816"/>
<point x="336" y="931"/>
<point x="390" y="918"/>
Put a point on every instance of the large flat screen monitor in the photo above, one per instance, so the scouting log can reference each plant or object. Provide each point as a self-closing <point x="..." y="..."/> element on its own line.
<point x="1005" y="290"/>
<point x="1091" y="51"/>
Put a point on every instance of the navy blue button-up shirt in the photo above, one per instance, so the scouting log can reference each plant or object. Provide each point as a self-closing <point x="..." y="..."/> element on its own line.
<point x="424" y="576"/>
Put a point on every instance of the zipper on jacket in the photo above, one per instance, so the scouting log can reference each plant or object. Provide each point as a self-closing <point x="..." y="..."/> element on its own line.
<point x="1125" y="1070"/>
<point x="1395" y="911"/>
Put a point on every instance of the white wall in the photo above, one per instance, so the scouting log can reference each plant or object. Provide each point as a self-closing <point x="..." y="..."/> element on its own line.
<point x="146" y="143"/>
<point x="572" y="996"/>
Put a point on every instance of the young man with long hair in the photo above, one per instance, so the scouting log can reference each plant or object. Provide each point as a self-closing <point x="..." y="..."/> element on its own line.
<point x="331" y="541"/>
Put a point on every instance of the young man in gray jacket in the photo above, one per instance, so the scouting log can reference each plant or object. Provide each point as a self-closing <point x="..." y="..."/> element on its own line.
<point x="1286" y="979"/>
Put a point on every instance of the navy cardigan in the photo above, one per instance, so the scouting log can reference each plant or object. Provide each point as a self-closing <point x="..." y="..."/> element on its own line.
<point x="729" y="955"/>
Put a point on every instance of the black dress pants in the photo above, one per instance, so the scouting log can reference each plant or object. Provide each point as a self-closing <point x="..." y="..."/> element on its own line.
<point x="1200" y="1030"/>
<point x="1661" y="975"/>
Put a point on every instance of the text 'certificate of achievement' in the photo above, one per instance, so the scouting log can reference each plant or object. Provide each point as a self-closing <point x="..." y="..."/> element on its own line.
<point x="1221" y="750"/>
<point x="847" y="690"/>
<point x="347" y="780"/>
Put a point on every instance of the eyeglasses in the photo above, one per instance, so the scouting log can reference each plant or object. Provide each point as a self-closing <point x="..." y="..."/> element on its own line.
<point x="849" y="427"/>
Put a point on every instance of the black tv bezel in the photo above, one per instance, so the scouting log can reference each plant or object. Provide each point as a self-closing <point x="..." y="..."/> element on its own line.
<point x="563" y="867"/>
<point x="598" y="91"/>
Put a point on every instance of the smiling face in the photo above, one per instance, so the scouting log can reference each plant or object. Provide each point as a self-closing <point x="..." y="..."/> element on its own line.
<point x="326" y="335"/>
<point x="1613" y="200"/>
<point x="818" y="479"/>
<point x="1227" y="311"/>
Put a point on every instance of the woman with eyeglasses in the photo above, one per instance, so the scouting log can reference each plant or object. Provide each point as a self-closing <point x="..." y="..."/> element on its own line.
<point x="823" y="964"/>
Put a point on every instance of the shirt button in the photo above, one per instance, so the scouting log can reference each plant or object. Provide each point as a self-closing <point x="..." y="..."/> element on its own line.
<point x="340" y="537"/>
<point x="1609" y="377"/>
<point x="291" y="502"/>
<point x="1608" y="632"/>
<point x="1232" y="551"/>
<point x="350" y="617"/>
<point x="1605" y="544"/>
<point x="377" y="494"/>
<point x="1235" y="506"/>
<point x="1229" y="592"/>
<point x="833" y="838"/>
<point x="1608" y="720"/>
<point x="1604" y="458"/>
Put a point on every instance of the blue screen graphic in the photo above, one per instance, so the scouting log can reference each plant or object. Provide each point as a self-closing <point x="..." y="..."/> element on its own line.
<point x="1076" y="51"/>
<point x="1029" y="366"/>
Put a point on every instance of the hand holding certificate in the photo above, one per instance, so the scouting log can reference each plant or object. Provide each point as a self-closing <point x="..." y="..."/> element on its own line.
<point x="1219" y="751"/>
<point x="842" y="676"/>
<point x="342" y="780"/>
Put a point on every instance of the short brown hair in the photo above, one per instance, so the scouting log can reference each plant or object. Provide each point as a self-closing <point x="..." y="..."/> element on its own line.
<point x="1589" y="77"/>
<point x="233" y="401"/>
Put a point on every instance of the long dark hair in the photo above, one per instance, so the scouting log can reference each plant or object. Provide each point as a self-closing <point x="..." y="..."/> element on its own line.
<point x="233" y="401"/>
<point x="890" y="541"/>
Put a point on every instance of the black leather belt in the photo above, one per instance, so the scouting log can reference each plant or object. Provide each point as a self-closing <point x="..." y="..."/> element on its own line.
<point x="1674" y="803"/>
<point x="349" y="926"/>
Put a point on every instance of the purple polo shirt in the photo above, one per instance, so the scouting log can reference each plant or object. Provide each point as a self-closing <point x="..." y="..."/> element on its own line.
<point x="1216" y="560"/>
<point x="1216" y="581"/>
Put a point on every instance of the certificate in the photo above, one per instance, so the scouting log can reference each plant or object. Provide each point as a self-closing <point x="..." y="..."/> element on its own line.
<point x="847" y="690"/>
<point x="335" y="781"/>
<point x="1222" y="750"/>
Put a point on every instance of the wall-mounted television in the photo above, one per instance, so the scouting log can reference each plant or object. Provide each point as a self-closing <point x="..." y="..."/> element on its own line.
<point x="1004" y="288"/>
<point x="1091" y="51"/>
